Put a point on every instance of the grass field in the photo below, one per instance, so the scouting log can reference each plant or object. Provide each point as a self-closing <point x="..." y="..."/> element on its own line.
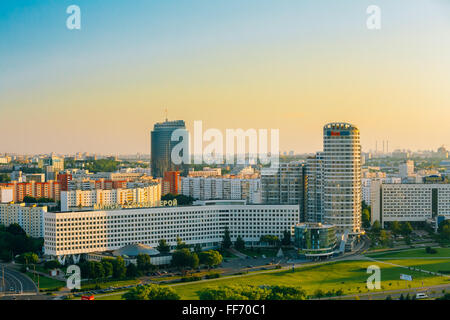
<point x="350" y="276"/>
<point x="46" y="283"/>
<point x="412" y="253"/>
<point x="105" y="285"/>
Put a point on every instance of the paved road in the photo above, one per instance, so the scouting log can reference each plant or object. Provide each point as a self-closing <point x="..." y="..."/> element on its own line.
<point x="16" y="282"/>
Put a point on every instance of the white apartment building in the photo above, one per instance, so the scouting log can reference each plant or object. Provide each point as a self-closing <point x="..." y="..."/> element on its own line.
<point x="79" y="199"/>
<point x="30" y="218"/>
<point x="409" y="202"/>
<point x="208" y="188"/>
<point x="366" y="186"/>
<point x="74" y="233"/>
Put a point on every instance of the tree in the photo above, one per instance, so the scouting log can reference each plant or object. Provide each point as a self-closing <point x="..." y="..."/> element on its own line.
<point x="319" y="293"/>
<point x="184" y="258"/>
<point x="407" y="228"/>
<point x="132" y="271"/>
<point x="99" y="271"/>
<point x="248" y="292"/>
<point x="444" y="229"/>
<point x="239" y="244"/>
<point x="376" y="226"/>
<point x="119" y="269"/>
<point x="151" y="292"/>
<point x="384" y="238"/>
<point x="181" y="244"/>
<point x="197" y="248"/>
<point x="144" y="263"/>
<point x="52" y="264"/>
<point x="226" y="242"/>
<point x="210" y="258"/>
<point x="28" y="258"/>
<point x="365" y="218"/>
<point x="15" y="229"/>
<point x="163" y="247"/>
<point x="395" y="227"/>
<point x="269" y="239"/>
<point x="107" y="267"/>
<point x="4" y="178"/>
<point x="286" y="241"/>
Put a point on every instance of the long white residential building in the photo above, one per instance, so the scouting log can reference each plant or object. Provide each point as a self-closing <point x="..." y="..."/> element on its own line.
<point x="409" y="202"/>
<point x="74" y="233"/>
<point x="30" y="218"/>
<point x="79" y="199"/>
<point x="209" y="188"/>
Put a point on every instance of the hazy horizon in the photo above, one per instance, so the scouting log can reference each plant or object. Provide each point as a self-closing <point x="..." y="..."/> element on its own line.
<point x="263" y="64"/>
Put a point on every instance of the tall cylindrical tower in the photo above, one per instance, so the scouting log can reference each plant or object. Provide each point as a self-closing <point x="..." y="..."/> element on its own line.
<point x="342" y="177"/>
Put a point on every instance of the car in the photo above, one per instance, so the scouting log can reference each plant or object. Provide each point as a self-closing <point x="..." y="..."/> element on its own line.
<point x="249" y="266"/>
<point x="421" y="295"/>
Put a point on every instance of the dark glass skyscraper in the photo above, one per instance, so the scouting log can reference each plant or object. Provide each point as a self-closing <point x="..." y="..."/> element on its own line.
<point x="161" y="146"/>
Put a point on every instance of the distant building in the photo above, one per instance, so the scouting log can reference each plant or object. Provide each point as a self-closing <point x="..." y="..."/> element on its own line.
<point x="30" y="218"/>
<point x="99" y="198"/>
<point x="206" y="172"/>
<point x="171" y="182"/>
<point x="409" y="202"/>
<point x="406" y="169"/>
<point x="162" y="145"/>
<point x="217" y="188"/>
<point x="49" y="189"/>
<point x="284" y="185"/>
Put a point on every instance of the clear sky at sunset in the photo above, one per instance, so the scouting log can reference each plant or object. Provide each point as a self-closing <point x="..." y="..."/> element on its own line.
<point x="288" y="64"/>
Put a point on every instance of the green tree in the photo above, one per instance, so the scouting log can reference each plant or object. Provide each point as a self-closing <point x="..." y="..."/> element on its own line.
<point x="163" y="247"/>
<point x="395" y="227"/>
<point x="365" y="218"/>
<point x="4" y="178"/>
<point x="181" y="244"/>
<point x="269" y="239"/>
<point x="376" y="226"/>
<point x="184" y="258"/>
<point x="226" y="242"/>
<point x="210" y="258"/>
<point x="99" y="271"/>
<point x="144" y="263"/>
<point x="28" y="258"/>
<point x="119" y="268"/>
<point x="239" y="244"/>
<point x="107" y="267"/>
<point x="132" y="271"/>
<point x="286" y="241"/>
<point x="151" y="292"/>
<point x="52" y="264"/>
<point x="407" y="228"/>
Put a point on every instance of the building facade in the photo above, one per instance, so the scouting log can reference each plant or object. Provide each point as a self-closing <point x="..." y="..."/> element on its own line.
<point x="409" y="202"/>
<point x="30" y="218"/>
<point x="342" y="177"/>
<point x="162" y="145"/>
<point x="74" y="233"/>
<point x="98" y="198"/>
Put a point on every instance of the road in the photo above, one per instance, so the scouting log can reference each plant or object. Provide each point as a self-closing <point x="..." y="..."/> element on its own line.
<point x="15" y="282"/>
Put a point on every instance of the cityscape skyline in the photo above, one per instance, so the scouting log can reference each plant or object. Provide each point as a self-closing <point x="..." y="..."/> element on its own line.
<point x="312" y="64"/>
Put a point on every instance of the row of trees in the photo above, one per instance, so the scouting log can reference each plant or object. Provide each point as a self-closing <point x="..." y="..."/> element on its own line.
<point x="14" y="241"/>
<point x="248" y="292"/>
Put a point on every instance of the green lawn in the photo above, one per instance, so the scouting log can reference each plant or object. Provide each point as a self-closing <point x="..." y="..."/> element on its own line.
<point x="46" y="283"/>
<point x="104" y="285"/>
<point x="415" y="253"/>
<point x="350" y="276"/>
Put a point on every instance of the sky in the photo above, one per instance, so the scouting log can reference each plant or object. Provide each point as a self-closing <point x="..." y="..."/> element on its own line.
<point x="291" y="65"/>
